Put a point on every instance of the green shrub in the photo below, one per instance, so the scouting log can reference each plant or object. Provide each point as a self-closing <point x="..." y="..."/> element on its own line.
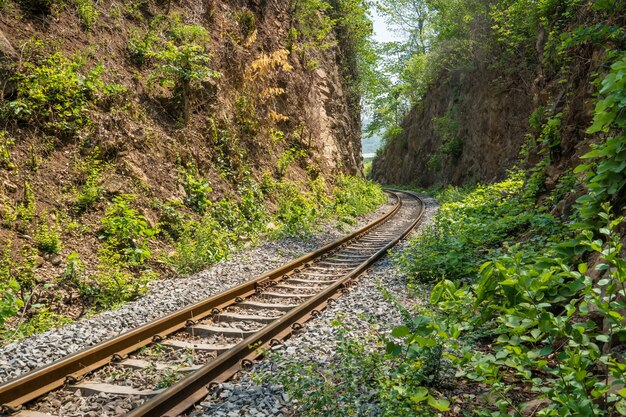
<point x="222" y="227"/>
<point x="91" y="170"/>
<point x="201" y="244"/>
<point x="252" y="207"/>
<point x="17" y="280"/>
<point x="47" y="239"/>
<point x="435" y="163"/>
<point x="197" y="190"/>
<point x="135" y="9"/>
<point x="113" y="284"/>
<point x="182" y="61"/>
<point x="24" y="211"/>
<point x="43" y="319"/>
<point x="54" y="94"/>
<point x="126" y="231"/>
<point x="354" y="196"/>
<point x="606" y="170"/>
<point x="172" y="219"/>
<point x="140" y="45"/>
<point x="359" y="381"/>
<point x="227" y="215"/>
<point x="87" y="13"/>
<point x="246" y="21"/>
<point x="287" y="158"/>
<point x="6" y="143"/>
<point x="10" y="303"/>
<point x="529" y="309"/>
<point x="296" y="213"/>
<point x="89" y="193"/>
<point x="74" y="271"/>
<point x="447" y="127"/>
<point x="313" y="25"/>
<point x="470" y="225"/>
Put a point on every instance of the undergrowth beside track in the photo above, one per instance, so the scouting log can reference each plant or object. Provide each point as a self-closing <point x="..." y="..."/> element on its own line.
<point x="271" y="209"/>
<point x="518" y="309"/>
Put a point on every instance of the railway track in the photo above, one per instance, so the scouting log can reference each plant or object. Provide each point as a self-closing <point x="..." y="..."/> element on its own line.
<point x="208" y="342"/>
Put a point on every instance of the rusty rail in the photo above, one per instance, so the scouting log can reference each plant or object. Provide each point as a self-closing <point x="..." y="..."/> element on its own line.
<point x="17" y="392"/>
<point x="190" y="390"/>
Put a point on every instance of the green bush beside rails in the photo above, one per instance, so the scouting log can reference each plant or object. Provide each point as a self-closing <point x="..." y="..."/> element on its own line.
<point x="126" y="231"/>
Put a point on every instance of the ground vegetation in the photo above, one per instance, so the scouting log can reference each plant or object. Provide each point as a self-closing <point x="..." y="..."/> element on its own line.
<point x="145" y="140"/>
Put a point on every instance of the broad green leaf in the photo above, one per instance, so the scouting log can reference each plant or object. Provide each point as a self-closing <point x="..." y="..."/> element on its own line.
<point x="620" y="406"/>
<point x="440" y="404"/>
<point x="419" y="394"/>
<point x="400" y="331"/>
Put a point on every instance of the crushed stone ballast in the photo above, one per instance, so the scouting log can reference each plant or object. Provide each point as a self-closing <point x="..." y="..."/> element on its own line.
<point x="227" y="329"/>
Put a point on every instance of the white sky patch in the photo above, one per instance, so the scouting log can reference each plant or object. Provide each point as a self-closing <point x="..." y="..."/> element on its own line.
<point x="381" y="29"/>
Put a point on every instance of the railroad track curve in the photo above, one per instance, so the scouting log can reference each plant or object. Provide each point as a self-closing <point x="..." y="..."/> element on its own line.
<point x="210" y="341"/>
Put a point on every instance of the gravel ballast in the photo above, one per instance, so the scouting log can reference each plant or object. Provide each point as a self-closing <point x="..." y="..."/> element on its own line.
<point x="163" y="297"/>
<point x="362" y="307"/>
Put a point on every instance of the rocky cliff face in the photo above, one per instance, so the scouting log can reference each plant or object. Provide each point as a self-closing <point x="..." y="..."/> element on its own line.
<point x="249" y="119"/>
<point x="154" y="98"/>
<point x="469" y="128"/>
<point x="472" y="123"/>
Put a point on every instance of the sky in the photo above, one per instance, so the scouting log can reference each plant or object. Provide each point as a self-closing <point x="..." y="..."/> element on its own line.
<point x="381" y="34"/>
<point x="381" y="31"/>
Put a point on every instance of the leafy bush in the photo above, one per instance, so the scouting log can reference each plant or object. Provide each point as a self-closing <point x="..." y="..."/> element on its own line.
<point x="113" y="284"/>
<point x="209" y="240"/>
<point x="246" y="21"/>
<point x="354" y="196"/>
<point x="48" y="240"/>
<point x="43" y="319"/>
<point x="89" y="180"/>
<point x="10" y="303"/>
<point x="182" y="57"/>
<point x="447" y="127"/>
<point x="24" y="210"/>
<point x="435" y="163"/>
<point x="5" y="150"/>
<point x="287" y="158"/>
<point x="201" y="244"/>
<point x="468" y="228"/>
<point x="126" y="231"/>
<point x="90" y="192"/>
<point x="87" y="13"/>
<point x="252" y="208"/>
<point x="74" y="271"/>
<point x="606" y="172"/>
<point x="172" y="219"/>
<point x="54" y="94"/>
<point x="531" y="313"/>
<point x="296" y="213"/>
<point x="197" y="190"/>
<point x="313" y="24"/>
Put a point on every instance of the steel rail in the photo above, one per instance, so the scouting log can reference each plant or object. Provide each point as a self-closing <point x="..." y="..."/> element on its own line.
<point x="34" y="384"/>
<point x="184" y="394"/>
